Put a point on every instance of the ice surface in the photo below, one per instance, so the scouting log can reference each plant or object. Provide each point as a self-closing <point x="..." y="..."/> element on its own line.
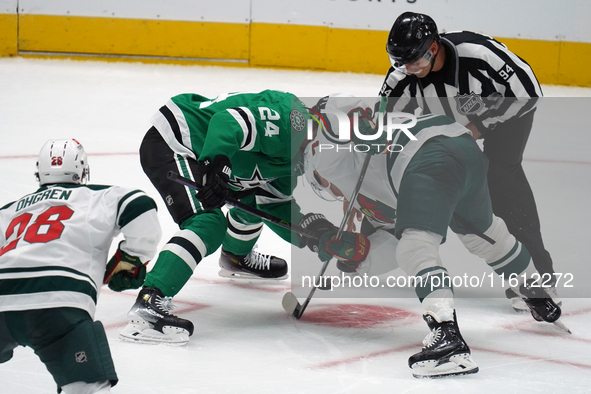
<point x="244" y="341"/>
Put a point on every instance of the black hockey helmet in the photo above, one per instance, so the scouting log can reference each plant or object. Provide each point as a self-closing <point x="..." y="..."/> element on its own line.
<point x="410" y="37"/>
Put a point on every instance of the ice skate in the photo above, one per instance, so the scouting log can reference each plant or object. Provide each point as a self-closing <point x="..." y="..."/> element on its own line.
<point x="252" y="266"/>
<point x="554" y="294"/>
<point x="540" y="303"/>
<point x="444" y="353"/>
<point x="150" y="321"/>
<point x="519" y="304"/>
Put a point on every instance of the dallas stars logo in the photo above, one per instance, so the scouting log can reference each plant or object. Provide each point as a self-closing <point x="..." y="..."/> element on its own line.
<point x="255" y="180"/>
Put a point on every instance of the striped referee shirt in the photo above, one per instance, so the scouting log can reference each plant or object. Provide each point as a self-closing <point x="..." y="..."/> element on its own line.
<point x="481" y="82"/>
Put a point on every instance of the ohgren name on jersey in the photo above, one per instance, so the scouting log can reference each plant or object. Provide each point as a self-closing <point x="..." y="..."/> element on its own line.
<point x="50" y="194"/>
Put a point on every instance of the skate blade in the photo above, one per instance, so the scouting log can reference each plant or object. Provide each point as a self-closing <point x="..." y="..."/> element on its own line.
<point x="139" y="333"/>
<point x="558" y="323"/>
<point x="224" y="273"/>
<point x="459" y="364"/>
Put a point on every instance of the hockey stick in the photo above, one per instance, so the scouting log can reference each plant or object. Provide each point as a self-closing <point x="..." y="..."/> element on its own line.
<point x="290" y="302"/>
<point x="470" y="227"/>
<point x="173" y="176"/>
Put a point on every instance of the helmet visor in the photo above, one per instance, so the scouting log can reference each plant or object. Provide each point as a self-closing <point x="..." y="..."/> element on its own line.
<point x="414" y="67"/>
<point x="324" y="188"/>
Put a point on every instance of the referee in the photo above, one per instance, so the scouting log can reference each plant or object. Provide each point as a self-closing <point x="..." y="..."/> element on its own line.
<point x="477" y="81"/>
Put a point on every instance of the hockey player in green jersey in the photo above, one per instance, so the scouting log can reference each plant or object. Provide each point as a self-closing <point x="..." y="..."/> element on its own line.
<point x="54" y="245"/>
<point x="434" y="177"/>
<point x="244" y="145"/>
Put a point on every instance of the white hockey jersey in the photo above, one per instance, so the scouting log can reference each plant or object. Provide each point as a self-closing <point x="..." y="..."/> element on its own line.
<point x="378" y="197"/>
<point x="54" y="243"/>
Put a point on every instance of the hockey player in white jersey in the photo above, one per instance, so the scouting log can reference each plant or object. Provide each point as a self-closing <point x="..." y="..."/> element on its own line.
<point x="434" y="178"/>
<point x="54" y="246"/>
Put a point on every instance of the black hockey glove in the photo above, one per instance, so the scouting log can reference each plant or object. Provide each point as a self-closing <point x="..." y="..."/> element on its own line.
<point x="317" y="225"/>
<point x="213" y="177"/>
<point x="124" y="271"/>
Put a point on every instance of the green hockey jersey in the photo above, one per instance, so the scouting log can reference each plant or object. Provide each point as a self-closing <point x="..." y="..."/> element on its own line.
<point x="261" y="133"/>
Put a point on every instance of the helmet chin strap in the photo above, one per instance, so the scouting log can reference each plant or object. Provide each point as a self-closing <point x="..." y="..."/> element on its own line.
<point x="435" y="57"/>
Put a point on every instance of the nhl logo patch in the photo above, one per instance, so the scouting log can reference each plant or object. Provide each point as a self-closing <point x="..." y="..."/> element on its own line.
<point x="81" y="357"/>
<point x="297" y="119"/>
<point x="469" y="104"/>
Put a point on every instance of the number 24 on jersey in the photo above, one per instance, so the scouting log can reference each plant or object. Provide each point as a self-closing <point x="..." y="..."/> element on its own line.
<point x="268" y="114"/>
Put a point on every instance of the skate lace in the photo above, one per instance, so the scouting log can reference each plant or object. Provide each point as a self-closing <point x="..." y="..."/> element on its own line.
<point x="165" y="304"/>
<point x="258" y="260"/>
<point x="433" y="337"/>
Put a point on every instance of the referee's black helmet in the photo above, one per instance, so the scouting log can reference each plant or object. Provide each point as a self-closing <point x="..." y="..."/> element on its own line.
<point x="410" y="37"/>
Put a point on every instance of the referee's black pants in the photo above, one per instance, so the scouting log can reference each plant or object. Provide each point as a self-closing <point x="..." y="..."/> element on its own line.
<point x="510" y="192"/>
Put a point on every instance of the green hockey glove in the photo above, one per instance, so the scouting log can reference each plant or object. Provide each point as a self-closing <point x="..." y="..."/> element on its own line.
<point x="351" y="249"/>
<point x="124" y="271"/>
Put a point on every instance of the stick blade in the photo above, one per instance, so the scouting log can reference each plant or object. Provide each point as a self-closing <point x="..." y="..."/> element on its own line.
<point x="291" y="305"/>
